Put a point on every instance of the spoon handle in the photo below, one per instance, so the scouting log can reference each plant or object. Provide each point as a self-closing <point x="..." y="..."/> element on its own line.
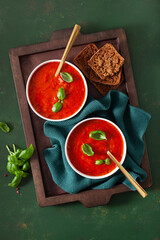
<point x="71" y="40"/>
<point x="141" y="191"/>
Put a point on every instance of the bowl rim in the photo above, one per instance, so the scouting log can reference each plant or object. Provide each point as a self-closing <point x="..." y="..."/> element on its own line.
<point x="114" y="170"/>
<point x="27" y="87"/>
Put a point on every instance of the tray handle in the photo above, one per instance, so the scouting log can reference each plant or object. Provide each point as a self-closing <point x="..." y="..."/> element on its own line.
<point x="63" y="33"/>
<point x="90" y="200"/>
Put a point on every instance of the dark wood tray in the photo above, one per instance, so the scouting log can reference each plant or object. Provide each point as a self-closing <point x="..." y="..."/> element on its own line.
<point x="23" y="61"/>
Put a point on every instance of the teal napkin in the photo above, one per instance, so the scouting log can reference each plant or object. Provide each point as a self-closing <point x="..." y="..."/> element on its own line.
<point x="115" y="107"/>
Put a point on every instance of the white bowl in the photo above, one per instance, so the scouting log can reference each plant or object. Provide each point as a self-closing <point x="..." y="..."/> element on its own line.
<point x="29" y="79"/>
<point x="108" y="174"/>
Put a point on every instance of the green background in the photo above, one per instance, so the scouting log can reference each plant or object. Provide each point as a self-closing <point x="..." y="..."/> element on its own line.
<point x="127" y="216"/>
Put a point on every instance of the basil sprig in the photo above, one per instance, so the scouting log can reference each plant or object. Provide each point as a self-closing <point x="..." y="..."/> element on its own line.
<point x="18" y="164"/>
<point x="66" y="77"/>
<point x="5" y="128"/>
<point x="87" y="149"/>
<point x="61" y="96"/>
<point x="97" y="135"/>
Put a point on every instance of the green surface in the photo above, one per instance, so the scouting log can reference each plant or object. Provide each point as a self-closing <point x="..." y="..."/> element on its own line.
<point x="127" y="216"/>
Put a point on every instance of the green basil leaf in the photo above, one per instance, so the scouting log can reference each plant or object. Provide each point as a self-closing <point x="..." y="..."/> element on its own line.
<point x="17" y="152"/>
<point x="99" y="162"/>
<point x="5" y="128"/>
<point x="16" y="181"/>
<point x="107" y="161"/>
<point x="97" y="135"/>
<point x="19" y="173"/>
<point x="26" y="166"/>
<point x="57" y="107"/>
<point x="25" y="174"/>
<point x="87" y="150"/>
<point x="13" y="159"/>
<point x="12" y="168"/>
<point x="66" y="77"/>
<point x="26" y="154"/>
<point x="20" y="162"/>
<point x="61" y="94"/>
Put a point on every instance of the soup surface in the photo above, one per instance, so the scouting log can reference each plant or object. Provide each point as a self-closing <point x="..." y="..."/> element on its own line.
<point x="80" y="135"/>
<point x="44" y="86"/>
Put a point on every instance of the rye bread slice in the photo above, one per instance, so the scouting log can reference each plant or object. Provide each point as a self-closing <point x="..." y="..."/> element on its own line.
<point x="106" y="61"/>
<point x="81" y="60"/>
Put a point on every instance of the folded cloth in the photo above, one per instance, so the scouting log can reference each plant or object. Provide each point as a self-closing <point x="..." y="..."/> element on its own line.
<point x="115" y="107"/>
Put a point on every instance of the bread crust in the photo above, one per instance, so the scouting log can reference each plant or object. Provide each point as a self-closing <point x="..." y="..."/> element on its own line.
<point x="81" y="60"/>
<point x="104" y="89"/>
<point x="114" y="80"/>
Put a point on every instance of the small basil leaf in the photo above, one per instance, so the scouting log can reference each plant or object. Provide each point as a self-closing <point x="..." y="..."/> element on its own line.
<point x="61" y="94"/>
<point x="21" y="162"/>
<point x="16" y="181"/>
<point x="66" y="77"/>
<point x="17" y="152"/>
<point x="107" y="161"/>
<point x="97" y="135"/>
<point x="25" y="174"/>
<point x="5" y="128"/>
<point x="57" y="107"/>
<point x="13" y="159"/>
<point x="87" y="150"/>
<point x="26" y="166"/>
<point x="26" y="154"/>
<point x="11" y="167"/>
<point x="10" y="158"/>
<point x="99" y="162"/>
<point x="14" y="156"/>
<point x="19" y="173"/>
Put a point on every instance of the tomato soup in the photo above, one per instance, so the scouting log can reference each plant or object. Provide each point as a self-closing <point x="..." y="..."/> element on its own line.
<point x="44" y="86"/>
<point x="80" y="135"/>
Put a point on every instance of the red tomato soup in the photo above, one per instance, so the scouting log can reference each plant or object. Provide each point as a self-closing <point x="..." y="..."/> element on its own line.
<point x="44" y="86"/>
<point x="80" y="135"/>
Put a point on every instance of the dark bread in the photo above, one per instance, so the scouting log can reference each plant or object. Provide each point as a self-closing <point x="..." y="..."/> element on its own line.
<point x="104" y="89"/>
<point x="81" y="60"/>
<point x="106" y="61"/>
<point x="114" y="80"/>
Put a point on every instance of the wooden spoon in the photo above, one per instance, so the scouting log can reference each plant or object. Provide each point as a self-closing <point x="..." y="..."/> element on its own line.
<point x="141" y="191"/>
<point x="71" y="40"/>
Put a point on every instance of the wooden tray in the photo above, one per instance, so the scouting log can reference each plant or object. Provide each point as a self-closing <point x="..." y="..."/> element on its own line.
<point x="23" y="61"/>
